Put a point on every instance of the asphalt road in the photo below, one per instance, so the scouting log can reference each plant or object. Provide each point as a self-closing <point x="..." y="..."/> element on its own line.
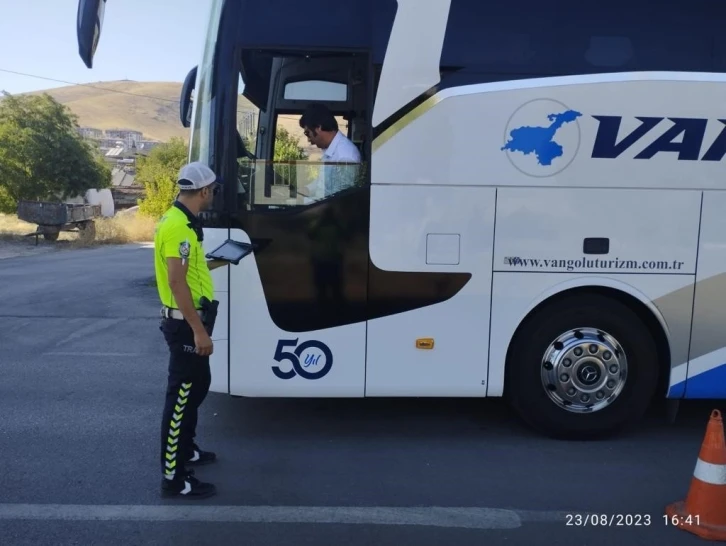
<point x="81" y="390"/>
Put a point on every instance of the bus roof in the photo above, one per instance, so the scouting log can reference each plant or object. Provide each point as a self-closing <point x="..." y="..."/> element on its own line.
<point x="561" y="37"/>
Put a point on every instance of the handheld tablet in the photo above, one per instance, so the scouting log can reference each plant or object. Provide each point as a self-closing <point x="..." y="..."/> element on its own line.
<point x="231" y="251"/>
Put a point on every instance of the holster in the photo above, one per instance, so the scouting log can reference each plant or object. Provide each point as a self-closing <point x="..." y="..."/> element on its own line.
<point x="209" y="313"/>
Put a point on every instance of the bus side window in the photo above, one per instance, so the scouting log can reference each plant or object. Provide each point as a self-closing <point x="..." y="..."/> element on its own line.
<point x="297" y="169"/>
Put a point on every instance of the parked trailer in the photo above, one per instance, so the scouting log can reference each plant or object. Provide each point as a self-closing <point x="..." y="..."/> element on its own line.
<point x="54" y="217"/>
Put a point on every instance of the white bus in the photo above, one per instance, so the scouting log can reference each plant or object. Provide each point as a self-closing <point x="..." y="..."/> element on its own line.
<point x="539" y="211"/>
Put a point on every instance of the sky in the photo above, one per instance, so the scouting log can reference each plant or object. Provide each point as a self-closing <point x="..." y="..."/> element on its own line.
<point x="141" y="40"/>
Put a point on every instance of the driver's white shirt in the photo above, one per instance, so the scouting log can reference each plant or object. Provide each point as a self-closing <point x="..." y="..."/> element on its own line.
<point x="341" y="150"/>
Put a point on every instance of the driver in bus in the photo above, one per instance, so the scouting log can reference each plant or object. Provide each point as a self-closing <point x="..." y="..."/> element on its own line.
<point x="321" y="129"/>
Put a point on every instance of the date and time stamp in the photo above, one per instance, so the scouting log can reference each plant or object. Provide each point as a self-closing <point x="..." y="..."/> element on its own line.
<point x="628" y="520"/>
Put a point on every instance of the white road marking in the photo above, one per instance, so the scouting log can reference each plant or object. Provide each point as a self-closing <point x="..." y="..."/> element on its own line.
<point x="450" y="517"/>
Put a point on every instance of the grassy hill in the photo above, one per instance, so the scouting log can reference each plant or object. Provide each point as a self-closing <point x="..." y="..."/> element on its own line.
<point x="149" y="107"/>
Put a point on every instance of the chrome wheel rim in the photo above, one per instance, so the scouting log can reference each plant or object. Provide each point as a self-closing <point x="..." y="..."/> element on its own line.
<point x="584" y="370"/>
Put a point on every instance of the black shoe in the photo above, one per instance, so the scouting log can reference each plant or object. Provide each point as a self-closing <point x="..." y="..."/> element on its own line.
<point x="186" y="487"/>
<point x="200" y="457"/>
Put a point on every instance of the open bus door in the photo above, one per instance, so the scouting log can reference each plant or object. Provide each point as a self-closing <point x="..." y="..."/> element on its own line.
<point x="89" y="24"/>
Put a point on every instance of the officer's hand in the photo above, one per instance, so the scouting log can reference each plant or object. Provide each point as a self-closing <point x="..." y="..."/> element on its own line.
<point x="203" y="343"/>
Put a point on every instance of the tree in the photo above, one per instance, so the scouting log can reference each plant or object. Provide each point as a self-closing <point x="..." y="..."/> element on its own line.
<point x="42" y="156"/>
<point x="287" y="148"/>
<point x="158" y="173"/>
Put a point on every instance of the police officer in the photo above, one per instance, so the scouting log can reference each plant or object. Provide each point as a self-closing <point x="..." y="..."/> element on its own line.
<point x="184" y="281"/>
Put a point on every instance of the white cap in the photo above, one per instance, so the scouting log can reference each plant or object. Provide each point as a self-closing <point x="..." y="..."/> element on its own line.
<point x="195" y="176"/>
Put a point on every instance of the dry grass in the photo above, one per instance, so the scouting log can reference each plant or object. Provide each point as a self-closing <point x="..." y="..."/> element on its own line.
<point x="12" y="229"/>
<point x="121" y="229"/>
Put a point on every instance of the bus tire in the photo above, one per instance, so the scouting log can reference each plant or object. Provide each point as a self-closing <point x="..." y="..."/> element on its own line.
<point x="584" y="350"/>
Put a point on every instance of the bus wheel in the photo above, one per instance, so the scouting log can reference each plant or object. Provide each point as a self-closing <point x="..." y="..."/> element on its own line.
<point x="583" y="367"/>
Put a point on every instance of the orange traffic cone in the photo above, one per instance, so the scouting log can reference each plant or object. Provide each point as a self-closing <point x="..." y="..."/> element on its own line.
<point x="704" y="511"/>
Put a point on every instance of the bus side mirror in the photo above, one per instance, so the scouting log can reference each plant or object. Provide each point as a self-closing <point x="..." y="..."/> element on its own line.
<point x="185" y="104"/>
<point x="88" y="28"/>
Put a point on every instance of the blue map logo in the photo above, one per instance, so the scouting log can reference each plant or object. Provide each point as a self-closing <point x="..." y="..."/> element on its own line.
<point x="542" y="137"/>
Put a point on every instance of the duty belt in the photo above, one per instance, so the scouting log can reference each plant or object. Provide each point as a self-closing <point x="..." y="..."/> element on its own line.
<point x="168" y="312"/>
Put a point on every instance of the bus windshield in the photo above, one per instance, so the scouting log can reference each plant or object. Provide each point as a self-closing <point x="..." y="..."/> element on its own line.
<point x="201" y="138"/>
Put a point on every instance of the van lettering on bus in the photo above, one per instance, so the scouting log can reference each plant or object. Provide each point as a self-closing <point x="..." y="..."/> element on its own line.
<point x="310" y="352"/>
<point x="690" y="131"/>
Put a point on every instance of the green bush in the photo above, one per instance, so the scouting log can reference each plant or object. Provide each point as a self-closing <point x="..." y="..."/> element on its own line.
<point x="158" y="173"/>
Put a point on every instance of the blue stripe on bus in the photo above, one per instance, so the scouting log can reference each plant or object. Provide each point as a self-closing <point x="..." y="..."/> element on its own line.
<point x="709" y="384"/>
